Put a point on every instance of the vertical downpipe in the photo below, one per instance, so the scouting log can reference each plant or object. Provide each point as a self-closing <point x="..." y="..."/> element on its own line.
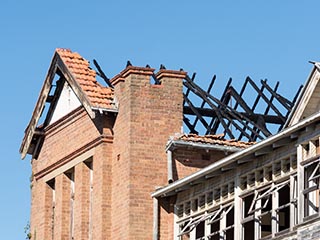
<point x="155" y="219"/>
<point x="170" y="172"/>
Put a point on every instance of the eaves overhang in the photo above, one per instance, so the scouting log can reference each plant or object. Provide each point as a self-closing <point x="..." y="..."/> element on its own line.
<point x="175" y="144"/>
<point x="174" y="187"/>
<point x="105" y="110"/>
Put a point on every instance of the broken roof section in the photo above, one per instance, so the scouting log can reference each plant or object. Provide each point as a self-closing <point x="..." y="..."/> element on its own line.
<point x="69" y="68"/>
<point x="231" y="114"/>
<point x="217" y="142"/>
<point x="98" y="95"/>
<point x="251" y="114"/>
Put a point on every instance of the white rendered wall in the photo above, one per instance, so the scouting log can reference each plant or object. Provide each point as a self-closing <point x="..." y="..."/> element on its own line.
<point x="67" y="102"/>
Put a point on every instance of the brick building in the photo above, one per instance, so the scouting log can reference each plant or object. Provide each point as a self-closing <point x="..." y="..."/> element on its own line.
<point x="103" y="168"/>
<point x="269" y="190"/>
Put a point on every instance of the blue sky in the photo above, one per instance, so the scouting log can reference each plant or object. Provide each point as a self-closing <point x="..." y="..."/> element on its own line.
<point x="271" y="40"/>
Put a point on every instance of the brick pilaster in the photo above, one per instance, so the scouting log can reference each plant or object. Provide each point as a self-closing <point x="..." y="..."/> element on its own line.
<point x="82" y="201"/>
<point x="62" y="208"/>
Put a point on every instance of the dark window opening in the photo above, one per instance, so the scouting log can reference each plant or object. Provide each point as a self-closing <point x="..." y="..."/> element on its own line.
<point x="230" y="234"/>
<point x="284" y="208"/>
<point x="230" y="224"/>
<point x="248" y="230"/>
<point x="230" y="217"/>
<point x="200" y="230"/>
<point x="284" y="195"/>
<point x="265" y="217"/>
<point x="265" y="221"/>
<point x="214" y="230"/>
<point x="247" y="204"/>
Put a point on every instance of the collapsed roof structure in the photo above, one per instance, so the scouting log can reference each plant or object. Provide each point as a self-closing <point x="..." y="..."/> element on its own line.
<point x="99" y="151"/>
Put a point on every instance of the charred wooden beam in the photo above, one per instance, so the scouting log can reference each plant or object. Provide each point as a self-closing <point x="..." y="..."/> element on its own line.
<point x="202" y="94"/>
<point x="208" y="97"/>
<point x="274" y="108"/>
<point x="268" y="106"/>
<point x="239" y="100"/>
<point x="197" y="90"/>
<point x="246" y="123"/>
<point x="101" y="73"/>
<point x="203" y="101"/>
<point x="238" y="116"/>
<point x="285" y="102"/>
<point x="208" y="112"/>
<point x="297" y="94"/>
<point x="224" y="98"/>
<point x="188" y="89"/>
<point x="54" y="100"/>
<point x="189" y="125"/>
<point x="253" y="106"/>
<point x="193" y="109"/>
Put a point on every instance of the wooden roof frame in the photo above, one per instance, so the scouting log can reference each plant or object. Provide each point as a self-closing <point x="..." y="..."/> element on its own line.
<point x="57" y="66"/>
<point x="248" y="123"/>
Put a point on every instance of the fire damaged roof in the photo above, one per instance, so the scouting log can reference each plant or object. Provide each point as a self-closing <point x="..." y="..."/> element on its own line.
<point x="98" y="95"/>
<point x="251" y="114"/>
<point x="74" y="70"/>
<point x="239" y="122"/>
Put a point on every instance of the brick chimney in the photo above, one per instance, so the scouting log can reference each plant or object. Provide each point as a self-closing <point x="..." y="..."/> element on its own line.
<point x="148" y="115"/>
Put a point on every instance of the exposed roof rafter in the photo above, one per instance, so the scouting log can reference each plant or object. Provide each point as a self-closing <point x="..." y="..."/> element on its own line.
<point x="232" y="114"/>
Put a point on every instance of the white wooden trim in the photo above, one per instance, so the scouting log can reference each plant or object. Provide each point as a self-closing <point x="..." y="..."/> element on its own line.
<point x="300" y="177"/>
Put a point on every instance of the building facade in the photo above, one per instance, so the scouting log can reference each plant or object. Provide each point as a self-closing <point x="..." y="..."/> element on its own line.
<point x="95" y="160"/>
<point x="102" y="166"/>
<point x="269" y="190"/>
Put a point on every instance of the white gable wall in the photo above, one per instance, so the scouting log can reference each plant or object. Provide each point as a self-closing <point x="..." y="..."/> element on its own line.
<point x="309" y="102"/>
<point x="67" y="102"/>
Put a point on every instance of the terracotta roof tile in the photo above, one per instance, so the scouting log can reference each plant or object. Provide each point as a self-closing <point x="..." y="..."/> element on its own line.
<point x="214" y="139"/>
<point x="98" y="95"/>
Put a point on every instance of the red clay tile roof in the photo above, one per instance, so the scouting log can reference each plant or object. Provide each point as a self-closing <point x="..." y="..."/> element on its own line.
<point x="98" y="95"/>
<point x="214" y="139"/>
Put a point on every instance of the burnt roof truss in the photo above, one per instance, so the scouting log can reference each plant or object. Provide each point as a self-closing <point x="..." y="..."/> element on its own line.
<point x="251" y="114"/>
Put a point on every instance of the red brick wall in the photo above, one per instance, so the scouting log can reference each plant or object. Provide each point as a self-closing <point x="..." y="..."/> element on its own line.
<point x="166" y="218"/>
<point x="62" y="208"/>
<point x="148" y="115"/>
<point x="68" y="138"/>
<point x="41" y="211"/>
<point x="188" y="161"/>
<point x="129" y="162"/>
<point x="81" y="201"/>
<point x="64" y="138"/>
<point x="102" y="178"/>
